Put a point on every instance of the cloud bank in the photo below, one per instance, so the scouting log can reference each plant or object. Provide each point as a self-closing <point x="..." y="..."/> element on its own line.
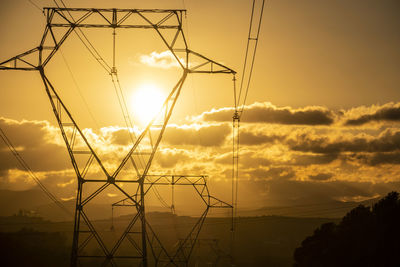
<point x="282" y="150"/>
<point x="268" y="113"/>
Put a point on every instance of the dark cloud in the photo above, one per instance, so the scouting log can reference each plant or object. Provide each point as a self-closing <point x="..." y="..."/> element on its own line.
<point x="213" y="135"/>
<point x="267" y="113"/>
<point x="120" y="137"/>
<point x="28" y="133"/>
<point x="391" y="114"/>
<point x="31" y="139"/>
<point x="209" y="135"/>
<point x="249" y="160"/>
<point x="320" y="176"/>
<point x="386" y="142"/>
<point x="271" y="173"/>
<point x="381" y="158"/>
<point x="249" y="138"/>
<point x="246" y="160"/>
<point x="305" y="159"/>
<point x="169" y="159"/>
<point x="225" y="159"/>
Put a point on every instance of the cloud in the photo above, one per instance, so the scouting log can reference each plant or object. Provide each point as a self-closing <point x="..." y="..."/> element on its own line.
<point x="120" y="137"/>
<point x="34" y="141"/>
<point x="251" y="159"/>
<point x="268" y="113"/>
<point x="271" y="173"/>
<point x="294" y="147"/>
<point x="193" y="134"/>
<point x="164" y="60"/>
<point x="67" y="183"/>
<point x="168" y="158"/>
<point x="307" y="159"/>
<point x="67" y="198"/>
<point x="389" y="112"/>
<point x="381" y="158"/>
<point x="388" y="140"/>
<point x="196" y="135"/>
<point x="250" y="138"/>
<point x="320" y="176"/>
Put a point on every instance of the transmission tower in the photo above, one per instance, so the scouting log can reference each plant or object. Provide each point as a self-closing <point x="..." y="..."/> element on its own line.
<point x="167" y="24"/>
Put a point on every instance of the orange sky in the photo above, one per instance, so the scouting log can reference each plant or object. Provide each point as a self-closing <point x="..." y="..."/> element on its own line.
<point x="323" y="111"/>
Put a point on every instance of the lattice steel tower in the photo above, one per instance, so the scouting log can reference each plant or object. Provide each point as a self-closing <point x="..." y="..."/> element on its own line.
<point x="167" y="24"/>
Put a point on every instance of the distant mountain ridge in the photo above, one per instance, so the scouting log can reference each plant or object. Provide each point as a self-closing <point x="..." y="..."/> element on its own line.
<point x="329" y="209"/>
<point x="35" y="200"/>
<point x="12" y="201"/>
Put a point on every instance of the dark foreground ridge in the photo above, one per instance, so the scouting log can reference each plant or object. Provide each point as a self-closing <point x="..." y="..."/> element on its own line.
<point x="366" y="236"/>
<point x="260" y="241"/>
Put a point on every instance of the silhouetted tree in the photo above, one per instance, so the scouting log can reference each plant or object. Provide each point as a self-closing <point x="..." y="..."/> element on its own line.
<point x="365" y="237"/>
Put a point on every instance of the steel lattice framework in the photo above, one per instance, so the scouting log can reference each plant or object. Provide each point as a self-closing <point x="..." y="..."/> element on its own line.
<point x="168" y="26"/>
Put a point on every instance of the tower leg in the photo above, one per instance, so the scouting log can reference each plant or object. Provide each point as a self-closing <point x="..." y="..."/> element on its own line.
<point x="143" y="219"/>
<point x="75" y="240"/>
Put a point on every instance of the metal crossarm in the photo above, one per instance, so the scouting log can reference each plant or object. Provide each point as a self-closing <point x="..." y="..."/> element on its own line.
<point x="112" y="18"/>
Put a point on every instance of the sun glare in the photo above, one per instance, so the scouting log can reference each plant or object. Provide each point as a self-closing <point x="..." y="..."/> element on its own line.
<point x="146" y="102"/>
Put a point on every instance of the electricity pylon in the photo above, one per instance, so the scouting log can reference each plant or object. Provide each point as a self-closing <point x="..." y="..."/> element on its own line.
<point x="168" y="26"/>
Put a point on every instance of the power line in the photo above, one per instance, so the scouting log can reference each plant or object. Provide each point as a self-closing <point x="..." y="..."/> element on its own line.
<point x="237" y="114"/>
<point x="79" y="89"/>
<point x="237" y="98"/>
<point x="117" y="86"/>
<point x="35" y="5"/>
<point x="89" y="46"/>
<point x="25" y="166"/>
<point x="128" y="121"/>
<point x="82" y="222"/>
<point x="247" y="52"/>
<point x="118" y="90"/>
<point x="112" y="72"/>
<point x="249" y="40"/>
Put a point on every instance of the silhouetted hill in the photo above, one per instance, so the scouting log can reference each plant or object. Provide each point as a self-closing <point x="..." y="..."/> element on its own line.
<point x="366" y="236"/>
<point x="328" y="209"/>
<point x="34" y="200"/>
<point x="12" y="201"/>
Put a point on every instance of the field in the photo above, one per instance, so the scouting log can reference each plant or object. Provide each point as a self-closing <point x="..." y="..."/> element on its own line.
<point x="261" y="240"/>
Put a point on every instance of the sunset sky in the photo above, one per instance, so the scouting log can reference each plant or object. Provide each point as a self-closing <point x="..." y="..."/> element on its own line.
<point x="322" y="120"/>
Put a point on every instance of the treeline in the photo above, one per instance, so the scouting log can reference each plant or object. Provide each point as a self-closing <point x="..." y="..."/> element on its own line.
<point x="366" y="236"/>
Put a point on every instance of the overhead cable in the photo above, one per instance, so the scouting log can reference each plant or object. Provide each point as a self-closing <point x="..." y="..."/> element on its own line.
<point x="79" y="90"/>
<point x="86" y="42"/>
<point x="249" y="40"/>
<point x="25" y="166"/>
<point x="118" y="90"/>
<point x="35" y="5"/>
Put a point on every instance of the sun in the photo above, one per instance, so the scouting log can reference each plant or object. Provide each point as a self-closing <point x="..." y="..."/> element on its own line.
<point x="146" y="102"/>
